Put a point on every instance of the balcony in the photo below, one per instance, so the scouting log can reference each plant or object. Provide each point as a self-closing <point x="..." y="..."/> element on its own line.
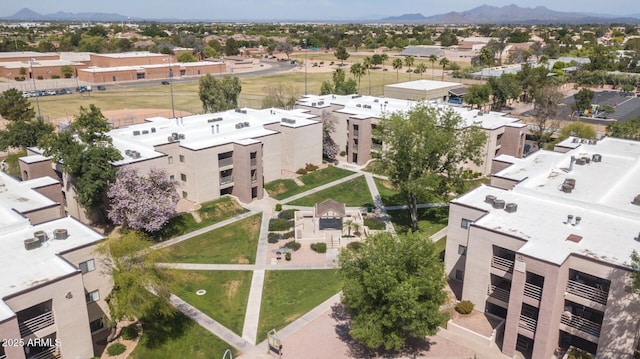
<point x="253" y="162"/>
<point x="502" y="263"/>
<point x="582" y="324"/>
<point x="355" y="133"/>
<point x="3" y="356"/>
<point x="224" y="162"/>
<point x="498" y="293"/>
<point x="49" y="353"/>
<point x="585" y="291"/>
<point x="527" y="323"/>
<point x="226" y="180"/>
<point x="532" y="291"/>
<point x="36" y="323"/>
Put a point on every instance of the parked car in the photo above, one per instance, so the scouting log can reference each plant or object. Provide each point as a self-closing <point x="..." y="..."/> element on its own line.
<point x="82" y="89"/>
<point x="165" y="82"/>
<point x="101" y="88"/>
<point x="456" y="100"/>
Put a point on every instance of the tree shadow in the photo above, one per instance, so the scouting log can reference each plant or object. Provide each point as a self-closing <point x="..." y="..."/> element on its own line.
<point x="414" y="347"/>
<point x="159" y="328"/>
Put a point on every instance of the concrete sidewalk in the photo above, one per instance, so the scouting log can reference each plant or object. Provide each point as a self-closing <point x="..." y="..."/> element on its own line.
<point x="377" y="200"/>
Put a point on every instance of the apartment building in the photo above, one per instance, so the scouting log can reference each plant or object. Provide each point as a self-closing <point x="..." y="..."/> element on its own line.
<point x="233" y="152"/>
<point x="357" y="116"/>
<point x="547" y="248"/>
<point x="53" y="285"/>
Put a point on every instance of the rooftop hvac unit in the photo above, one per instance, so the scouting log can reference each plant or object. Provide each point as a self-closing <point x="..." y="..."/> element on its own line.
<point x="31" y="243"/>
<point x="214" y="119"/>
<point x="170" y="139"/>
<point x="490" y="198"/>
<point x="174" y="135"/>
<point x="127" y="152"/>
<point x="181" y="136"/>
<point x="498" y="204"/>
<point x="567" y="188"/>
<point x="136" y="133"/>
<point x="145" y="132"/>
<point x="153" y="130"/>
<point x="243" y="112"/>
<point x="636" y="200"/>
<point x="358" y="105"/>
<point x="575" y="140"/>
<point x="314" y="104"/>
<point x="246" y="124"/>
<point x="60" y="233"/>
<point x="581" y="161"/>
<point x="40" y="236"/>
<point x="320" y="103"/>
<point x="596" y="157"/>
<point x="239" y="125"/>
<point x="238" y="110"/>
<point x="511" y="207"/>
<point x="135" y="154"/>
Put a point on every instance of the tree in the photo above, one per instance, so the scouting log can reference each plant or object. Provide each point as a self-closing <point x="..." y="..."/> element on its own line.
<point x="219" y="94"/>
<point x="285" y="47"/>
<point x="397" y="65"/>
<point x="186" y="57"/>
<point x="635" y="274"/>
<point x="629" y="129"/>
<point x="444" y="62"/>
<point x="86" y="154"/>
<point x="393" y="289"/>
<point x="126" y="207"/>
<point x="134" y="275"/>
<point x="478" y="95"/>
<point x="421" y="68"/>
<point x="424" y="151"/>
<point x="280" y="95"/>
<point x="577" y="129"/>
<point x="14" y="107"/>
<point x="341" y="54"/>
<point x="329" y="147"/>
<point x="231" y="47"/>
<point x="433" y="59"/>
<point x="357" y="70"/>
<point x="23" y="134"/>
<point x="546" y="109"/>
<point x="503" y="88"/>
<point x="339" y="85"/>
<point x="66" y="71"/>
<point x="408" y="61"/>
<point x="367" y="63"/>
<point x="348" y="225"/>
<point x="583" y="100"/>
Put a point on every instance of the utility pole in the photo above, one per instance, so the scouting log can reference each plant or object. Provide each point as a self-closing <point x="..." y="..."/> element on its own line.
<point x="33" y="78"/>
<point x="173" y="110"/>
<point x="304" y="43"/>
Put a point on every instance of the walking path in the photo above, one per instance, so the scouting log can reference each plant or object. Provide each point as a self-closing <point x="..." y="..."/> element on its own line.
<point x="246" y="344"/>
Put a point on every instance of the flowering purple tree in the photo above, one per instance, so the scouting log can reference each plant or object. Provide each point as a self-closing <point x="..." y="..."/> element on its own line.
<point x="142" y="202"/>
<point x="329" y="147"/>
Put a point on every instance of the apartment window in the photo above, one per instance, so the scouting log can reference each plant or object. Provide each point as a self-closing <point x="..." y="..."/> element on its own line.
<point x="93" y="296"/>
<point x="96" y="325"/>
<point x="183" y="177"/>
<point x="465" y="223"/>
<point x="254" y="176"/>
<point x="459" y="274"/>
<point x="462" y="250"/>
<point x="88" y="266"/>
<point x="172" y="178"/>
<point x="184" y="194"/>
<point x="170" y="159"/>
<point x="181" y="158"/>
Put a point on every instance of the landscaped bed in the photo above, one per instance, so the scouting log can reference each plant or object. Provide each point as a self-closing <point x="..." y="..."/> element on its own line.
<point x="235" y="243"/>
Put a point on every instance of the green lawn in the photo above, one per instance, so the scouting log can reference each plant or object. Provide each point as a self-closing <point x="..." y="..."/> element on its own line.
<point x="235" y="243"/>
<point x="375" y="167"/>
<point x="389" y="195"/>
<point x="290" y="294"/>
<point x="354" y="193"/>
<point x="280" y="189"/>
<point x="177" y="337"/>
<point x="226" y="297"/>
<point x="210" y="213"/>
<point x="430" y="220"/>
<point x="441" y="245"/>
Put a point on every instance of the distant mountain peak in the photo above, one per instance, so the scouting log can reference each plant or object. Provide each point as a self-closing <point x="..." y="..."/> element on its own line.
<point x="406" y="17"/>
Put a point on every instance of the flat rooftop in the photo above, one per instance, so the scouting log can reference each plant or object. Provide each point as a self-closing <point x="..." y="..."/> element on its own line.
<point x="127" y="55"/>
<point x="203" y="131"/>
<point x="19" y="196"/>
<point x="602" y="197"/>
<point x="30" y="268"/>
<point x="424" y="85"/>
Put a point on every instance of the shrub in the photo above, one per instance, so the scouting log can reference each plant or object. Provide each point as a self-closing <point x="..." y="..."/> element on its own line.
<point x="319" y="247"/>
<point x="278" y="207"/>
<point x="279" y="224"/>
<point x="273" y="237"/>
<point x="287" y="214"/>
<point x="116" y="349"/>
<point x="40" y="78"/>
<point x="374" y="223"/>
<point x="130" y="332"/>
<point x="576" y="353"/>
<point x="287" y="256"/>
<point x="21" y="78"/>
<point x="301" y="171"/>
<point x="310" y="167"/>
<point x="354" y="246"/>
<point x="293" y="245"/>
<point x="343" y="153"/>
<point x="55" y="76"/>
<point x="464" y="307"/>
<point x="287" y="235"/>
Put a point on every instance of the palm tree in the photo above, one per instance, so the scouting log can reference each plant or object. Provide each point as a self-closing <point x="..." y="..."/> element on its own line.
<point x="433" y="59"/>
<point x="444" y="62"/>
<point x="421" y="67"/>
<point x="349" y="225"/>
<point x="367" y="63"/>
<point x="409" y="62"/>
<point x="357" y="70"/>
<point x="397" y="65"/>
<point x="384" y="58"/>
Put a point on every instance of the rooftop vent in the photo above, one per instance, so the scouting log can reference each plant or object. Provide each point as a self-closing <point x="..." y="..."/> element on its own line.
<point x="175" y="136"/>
<point x="574" y="238"/>
<point x="136" y="133"/>
<point x="571" y="182"/>
<point x="31" y="243"/>
<point x="586" y="159"/>
<point x="566" y="188"/>
<point x="153" y="130"/>
<point x="320" y="103"/>
<point x="135" y="154"/>
<point x="580" y="161"/>
<point x="246" y="124"/>
<point x="358" y="105"/>
<point x="60" y="233"/>
<point x="314" y="104"/>
<point x="171" y="139"/>
<point x="239" y="125"/>
<point x="181" y="136"/>
<point x="356" y="96"/>
<point x="288" y="120"/>
<point x="498" y="204"/>
<point x="511" y="207"/>
<point x="238" y="110"/>
<point x="480" y="113"/>
<point x="145" y="132"/>
<point x="489" y="198"/>
<point x="596" y="157"/>
<point x="636" y="200"/>
<point x="376" y="100"/>
<point x="40" y="236"/>
<point x="214" y="119"/>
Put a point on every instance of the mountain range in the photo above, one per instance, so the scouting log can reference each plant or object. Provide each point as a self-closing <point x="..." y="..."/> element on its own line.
<point x="485" y="14"/>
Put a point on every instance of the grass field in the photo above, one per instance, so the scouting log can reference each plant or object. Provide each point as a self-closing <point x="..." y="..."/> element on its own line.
<point x="430" y="220"/>
<point x="354" y="193"/>
<point x="235" y="243"/>
<point x="226" y="294"/>
<point x="280" y="189"/>
<point x="389" y="195"/>
<point x="290" y="294"/>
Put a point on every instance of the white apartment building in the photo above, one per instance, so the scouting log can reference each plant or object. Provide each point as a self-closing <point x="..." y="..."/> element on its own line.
<point x="547" y="248"/>
<point x="52" y="286"/>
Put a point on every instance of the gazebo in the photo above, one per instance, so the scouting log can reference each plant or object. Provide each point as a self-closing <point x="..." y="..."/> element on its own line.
<point x="329" y="214"/>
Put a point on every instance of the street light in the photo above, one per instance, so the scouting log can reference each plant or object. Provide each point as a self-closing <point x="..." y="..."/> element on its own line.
<point x="173" y="110"/>
<point x="31" y="61"/>
<point x="304" y="43"/>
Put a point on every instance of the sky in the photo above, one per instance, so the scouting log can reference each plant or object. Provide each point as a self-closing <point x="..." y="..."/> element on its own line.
<point x="298" y="9"/>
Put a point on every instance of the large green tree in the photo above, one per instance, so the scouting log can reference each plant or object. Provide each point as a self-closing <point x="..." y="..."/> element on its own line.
<point x="15" y="107"/>
<point x="280" y="95"/>
<point x="628" y="129"/>
<point x="546" y="110"/>
<point x="393" y="289"/>
<point x="341" y="54"/>
<point x="583" y="100"/>
<point x="86" y="154"/>
<point x="503" y="88"/>
<point x="478" y="95"/>
<point x="219" y="94"/>
<point x="397" y="65"/>
<point x="340" y="85"/>
<point x="424" y="151"/>
<point x="21" y="130"/>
